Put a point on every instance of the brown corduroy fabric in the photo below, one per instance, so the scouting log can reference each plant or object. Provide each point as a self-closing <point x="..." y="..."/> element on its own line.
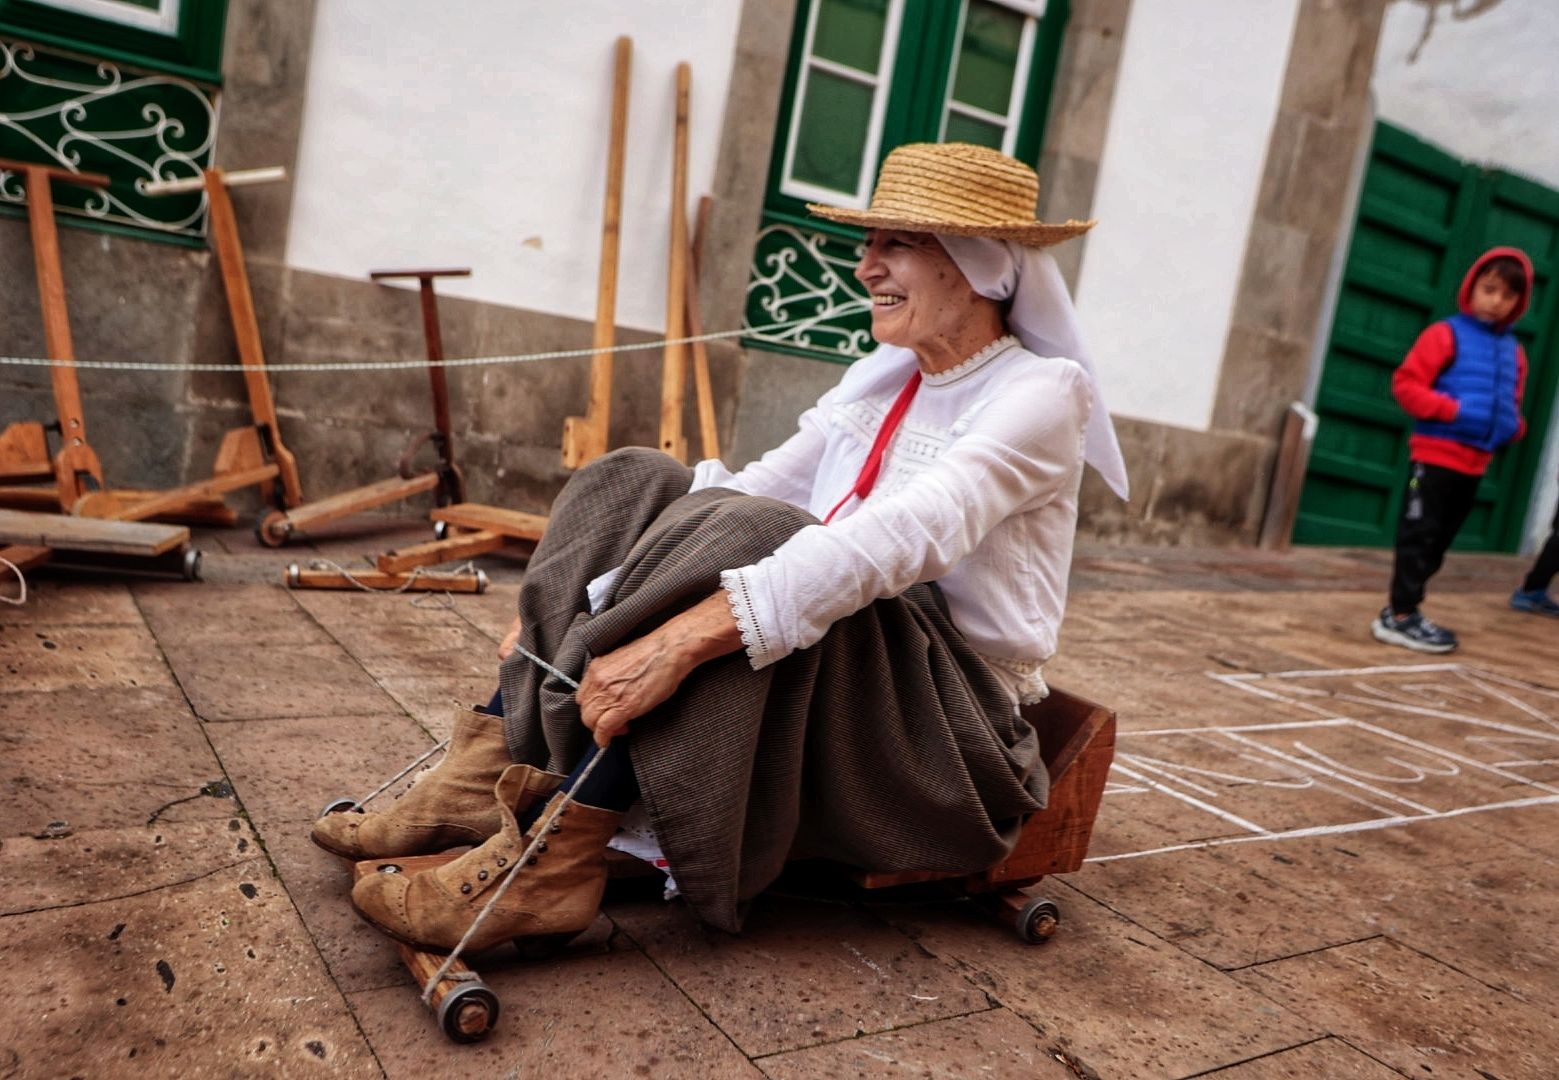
<point x="888" y="745"/>
<point x="960" y="189"/>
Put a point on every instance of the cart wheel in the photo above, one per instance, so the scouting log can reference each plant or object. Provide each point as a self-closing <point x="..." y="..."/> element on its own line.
<point x="191" y="566"/>
<point x="340" y="806"/>
<point x="273" y="528"/>
<point x="1036" y="921"/>
<point x="468" y="1013"/>
<point x="441" y="530"/>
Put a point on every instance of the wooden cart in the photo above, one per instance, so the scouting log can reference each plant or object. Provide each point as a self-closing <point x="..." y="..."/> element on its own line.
<point x="1078" y="741"/>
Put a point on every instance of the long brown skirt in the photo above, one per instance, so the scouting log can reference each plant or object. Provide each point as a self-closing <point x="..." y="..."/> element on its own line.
<point x="888" y="745"/>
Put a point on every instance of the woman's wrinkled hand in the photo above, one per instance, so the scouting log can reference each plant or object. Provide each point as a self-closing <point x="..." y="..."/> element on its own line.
<point x="510" y="640"/>
<point x="626" y="683"/>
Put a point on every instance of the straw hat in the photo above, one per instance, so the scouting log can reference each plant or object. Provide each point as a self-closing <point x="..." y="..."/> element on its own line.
<point x="956" y="188"/>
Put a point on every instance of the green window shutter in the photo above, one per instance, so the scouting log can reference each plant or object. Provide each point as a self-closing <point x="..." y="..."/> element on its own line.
<point x="865" y="76"/>
<point x="127" y="88"/>
<point x="840" y="98"/>
<point x="994" y="45"/>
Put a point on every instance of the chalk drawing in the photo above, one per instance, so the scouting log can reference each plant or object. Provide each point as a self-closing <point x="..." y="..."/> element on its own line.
<point x="1406" y="743"/>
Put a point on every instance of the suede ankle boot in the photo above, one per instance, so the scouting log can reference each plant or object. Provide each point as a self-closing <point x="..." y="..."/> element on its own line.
<point x="449" y="805"/>
<point x="556" y="895"/>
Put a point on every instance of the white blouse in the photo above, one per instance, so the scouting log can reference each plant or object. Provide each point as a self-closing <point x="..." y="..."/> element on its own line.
<point x="978" y="492"/>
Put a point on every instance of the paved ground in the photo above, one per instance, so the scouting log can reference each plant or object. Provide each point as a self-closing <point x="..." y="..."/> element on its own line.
<point x="1318" y="857"/>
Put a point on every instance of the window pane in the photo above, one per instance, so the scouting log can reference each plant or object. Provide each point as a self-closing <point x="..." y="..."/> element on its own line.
<point x="988" y="57"/>
<point x="850" y="32"/>
<point x="961" y="128"/>
<point x="831" y="141"/>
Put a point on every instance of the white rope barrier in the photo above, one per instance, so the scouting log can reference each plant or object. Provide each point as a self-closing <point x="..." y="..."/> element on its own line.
<point x="459" y="362"/>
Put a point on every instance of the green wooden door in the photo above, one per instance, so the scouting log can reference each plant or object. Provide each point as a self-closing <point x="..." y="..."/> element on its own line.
<point x="1423" y="217"/>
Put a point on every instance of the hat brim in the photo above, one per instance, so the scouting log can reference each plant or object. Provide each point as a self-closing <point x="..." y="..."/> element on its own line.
<point x="1027" y="233"/>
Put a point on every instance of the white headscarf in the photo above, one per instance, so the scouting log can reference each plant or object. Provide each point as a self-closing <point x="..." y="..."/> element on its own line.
<point x="1045" y="321"/>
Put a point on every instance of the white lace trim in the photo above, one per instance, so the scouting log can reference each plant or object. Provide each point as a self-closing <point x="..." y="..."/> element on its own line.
<point x="1030" y="678"/>
<point x="968" y="367"/>
<point x="734" y="582"/>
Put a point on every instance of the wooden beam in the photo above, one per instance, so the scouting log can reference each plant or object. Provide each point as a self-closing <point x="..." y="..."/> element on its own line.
<point x="25" y="557"/>
<point x="68" y="533"/>
<point x="434" y="552"/>
<point x="379" y="581"/>
<point x="510" y="523"/>
<point x="585" y="437"/>
<point x="673" y="385"/>
<point x="314" y="514"/>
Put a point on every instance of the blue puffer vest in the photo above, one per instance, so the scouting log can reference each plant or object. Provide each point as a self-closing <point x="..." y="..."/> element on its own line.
<point x="1482" y="376"/>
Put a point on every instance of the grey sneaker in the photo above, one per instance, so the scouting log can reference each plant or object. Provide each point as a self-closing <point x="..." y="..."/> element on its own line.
<point x="1412" y="632"/>
<point x="1534" y="601"/>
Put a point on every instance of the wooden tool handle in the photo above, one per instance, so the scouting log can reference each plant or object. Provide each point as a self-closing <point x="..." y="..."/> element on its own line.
<point x="703" y="388"/>
<point x="673" y="387"/>
<point x="585" y="437"/>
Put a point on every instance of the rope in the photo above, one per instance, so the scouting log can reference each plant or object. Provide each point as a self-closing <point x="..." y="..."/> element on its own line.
<point x="17" y="570"/>
<point x="541" y="833"/>
<point x="416" y="572"/>
<point x="460" y="362"/>
<point x="382" y="788"/>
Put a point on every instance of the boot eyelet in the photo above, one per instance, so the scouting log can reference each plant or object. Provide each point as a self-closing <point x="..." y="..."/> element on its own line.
<point x="556" y="827"/>
<point x="541" y="846"/>
<point x="481" y="875"/>
<point x="532" y="861"/>
<point x="465" y="886"/>
<point x="502" y="862"/>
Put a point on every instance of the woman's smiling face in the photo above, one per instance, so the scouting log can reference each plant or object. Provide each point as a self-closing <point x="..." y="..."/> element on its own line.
<point x="919" y="296"/>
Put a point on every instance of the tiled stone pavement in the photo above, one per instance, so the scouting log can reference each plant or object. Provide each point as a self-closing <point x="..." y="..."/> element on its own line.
<point x="162" y="911"/>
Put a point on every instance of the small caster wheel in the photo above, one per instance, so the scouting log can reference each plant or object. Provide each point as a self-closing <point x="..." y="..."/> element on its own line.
<point x="273" y="528"/>
<point x="1037" y="920"/>
<point x="468" y="1013"/>
<point x="341" y="806"/>
<point x="191" y="565"/>
<point x="441" y="530"/>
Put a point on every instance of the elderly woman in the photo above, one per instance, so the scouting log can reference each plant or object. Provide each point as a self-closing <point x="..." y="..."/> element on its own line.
<point x="823" y="653"/>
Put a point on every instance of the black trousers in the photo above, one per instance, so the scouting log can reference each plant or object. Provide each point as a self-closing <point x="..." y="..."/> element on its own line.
<point x="1434" y="508"/>
<point x="1547" y="565"/>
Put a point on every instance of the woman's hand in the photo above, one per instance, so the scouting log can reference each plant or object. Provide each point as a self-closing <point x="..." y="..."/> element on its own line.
<point x="628" y="682"/>
<point x="510" y="640"/>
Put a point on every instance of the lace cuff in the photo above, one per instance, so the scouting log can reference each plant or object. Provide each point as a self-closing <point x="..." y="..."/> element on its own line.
<point x="1026" y="678"/>
<point x="710" y="472"/>
<point x="739" y="596"/>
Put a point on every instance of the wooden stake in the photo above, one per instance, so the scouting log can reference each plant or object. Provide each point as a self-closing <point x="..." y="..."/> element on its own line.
<point x="708" y="430"/>
<point x="76" y="459"/>
<point x="673" y="387"/>
<point x="585" y="437"/>
<point x="246" y="332"/>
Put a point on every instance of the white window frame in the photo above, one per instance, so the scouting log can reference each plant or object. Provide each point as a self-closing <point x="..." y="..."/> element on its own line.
<point x="1033" y="10"/>
<point x="164" y="20"/>
<point x="880" y="82"/>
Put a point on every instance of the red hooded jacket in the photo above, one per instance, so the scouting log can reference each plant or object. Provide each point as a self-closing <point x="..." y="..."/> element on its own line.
<point x="1413" y="383"/>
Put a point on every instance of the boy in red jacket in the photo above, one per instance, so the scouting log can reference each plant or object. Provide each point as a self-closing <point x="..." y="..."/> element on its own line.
<point x="1462" y="382"/>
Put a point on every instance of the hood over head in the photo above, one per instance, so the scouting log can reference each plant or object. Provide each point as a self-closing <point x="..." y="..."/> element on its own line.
<point x="1464" y="294"/>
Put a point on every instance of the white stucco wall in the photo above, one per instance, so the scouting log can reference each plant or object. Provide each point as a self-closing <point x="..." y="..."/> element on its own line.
<point x="475" y="133"/>
<point x="1182" y="163"/>
<point x="1483" y="88"/>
